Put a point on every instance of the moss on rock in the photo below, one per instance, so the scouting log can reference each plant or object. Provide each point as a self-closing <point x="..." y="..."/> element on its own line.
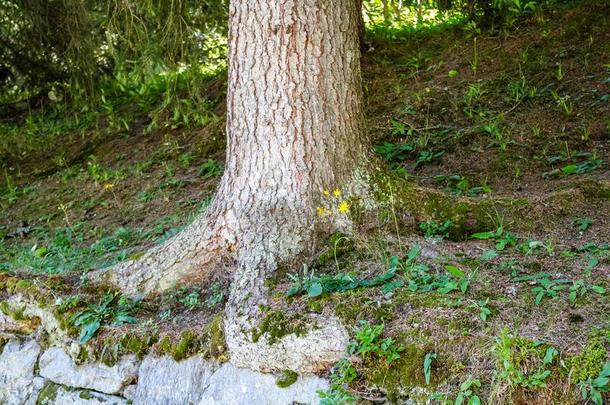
<point x="286" y="378"/>
<point x="277" y="324"/>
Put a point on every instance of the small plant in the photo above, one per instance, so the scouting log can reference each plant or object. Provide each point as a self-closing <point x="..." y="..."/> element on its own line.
<point x="211" y="168"/>
<point x="190" y="300"/>
<point x="215" y="297"/>
<point x="109" y="310"/>
<point x="427" y="156"/>
<point x="594" y="388"/>
<point x="428" y="360"/>
<point x="467" y="392"/>
<point x="579" y="289"/>
<point x="503" y="239"/>
<point x="563" y="102"/>
<point x="393" y="152"/>
<point x="433" y="229"/>
<point x="341" y="376"/>
<point x="523" y="362"/>
<point x="315" y="286"/>
<point x="457" y="185"/>
<point x="582" y="224"/>
<point x="583" y="167"/>
<point x="368" y="342"/>
<point x="548" y="288"/>
<point x="370" y="346"/>
<point x="482" y="308"/>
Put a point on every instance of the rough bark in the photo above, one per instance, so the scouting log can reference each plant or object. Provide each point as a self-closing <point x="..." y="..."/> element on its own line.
<point x="294" y="129"/>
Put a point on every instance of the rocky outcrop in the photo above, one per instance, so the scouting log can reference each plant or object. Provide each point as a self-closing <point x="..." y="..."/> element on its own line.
<point x="53" y="394"/>
<point x="18" y="383"/>
<point x="164" y="381"/>
<point x="231" y="386"/>
<point x="38" y="367"/>
<point x="57" y="366"/>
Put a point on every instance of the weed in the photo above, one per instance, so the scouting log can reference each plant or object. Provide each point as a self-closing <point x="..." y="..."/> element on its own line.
<point x="582" y="224"/>
<point x="315" y="286"/>
<point x="482" y="308"/>
<point x="503" y="239"/>
<point x="579" y="289"/>
<point x="109" y="310"/>
<point x="215" y="296"/>
<point x="522" y="362"/>
<point x="393" y="152"/>
<point x="369" y="343"/>
<point x="428" y="359"/>
<point x="433" y="229"/>
<point x="467" y="392"/>
<point x="457" y="185"/>
<point x="211" y="168"/>
<point x="563" y="102"/>
<point x="593" y="388"/>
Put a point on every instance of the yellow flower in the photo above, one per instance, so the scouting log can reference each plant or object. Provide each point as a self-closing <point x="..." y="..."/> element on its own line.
<point x="343" y="207"/>
<point x="320" y="211"/>
<point x="326" y="193"/>
<point x="337" y="193"/>
<point x="108" y="185"/>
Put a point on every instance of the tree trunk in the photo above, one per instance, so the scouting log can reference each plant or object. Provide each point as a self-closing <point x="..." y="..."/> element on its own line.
<point x="294" y="129"/>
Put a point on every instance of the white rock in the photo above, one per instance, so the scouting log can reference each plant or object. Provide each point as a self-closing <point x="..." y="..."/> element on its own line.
<point x="17" y="380"/>
<point x="322" y="346"/>
<point x="63" y="396"/>
<point x="163" y="381"/>
<point x="56" y="365"/>
<point x="56" y="335"/>
<point x="235" y="386"/>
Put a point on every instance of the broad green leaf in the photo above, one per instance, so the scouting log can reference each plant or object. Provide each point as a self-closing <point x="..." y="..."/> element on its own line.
<point x="598" y="289"/>
<point x="474" y="400"/>
<point x="483" y="235"/>
<point x="569" y="169"/>
<point x="455" y="271"/>
<point x="88" y="331"/>
<point x="314" y="290"/>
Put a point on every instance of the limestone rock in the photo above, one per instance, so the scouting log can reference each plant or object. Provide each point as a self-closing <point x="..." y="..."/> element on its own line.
<point x="163" y="381"/>
<point x="32" y="310"/>
<point x="235" y="386"/>
<point x="57" y="366"/>
<point x="322" y="346"/>
<point x="17" y="381"/>
<point x="54" y="394"/>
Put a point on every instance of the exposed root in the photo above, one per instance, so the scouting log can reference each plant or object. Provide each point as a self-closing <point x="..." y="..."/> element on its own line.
<point x="192" y="254"/>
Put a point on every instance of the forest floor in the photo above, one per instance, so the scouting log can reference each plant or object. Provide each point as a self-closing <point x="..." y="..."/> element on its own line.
<point x="508" y="303"/>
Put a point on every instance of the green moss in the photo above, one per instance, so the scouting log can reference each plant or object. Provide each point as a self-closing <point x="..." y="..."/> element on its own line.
<point x="138" y="344"/>
<point x="401" y="376"/>
<point x="315" y="306"/>
<point x="276" y="324"/>
<point x="48" y="394"/>
<point x="286" y="378"/>
<point x="23" y="285"/>
<point x="187" y="345"/>
<point x="4" y="307"/>
<point x="588" y="363"/>
<point x="355" y="305"/>
<point x="165" y="346"/>
<point x="10" y="285"/>
<point x="85" y="395"/>
<point x="468" y="215"/>
<point x="136" y="256"/>
<point x="213" y="343"/>
<point x="83" y="355"/>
